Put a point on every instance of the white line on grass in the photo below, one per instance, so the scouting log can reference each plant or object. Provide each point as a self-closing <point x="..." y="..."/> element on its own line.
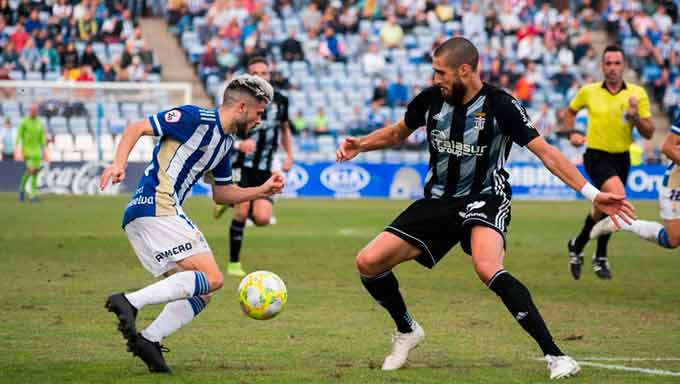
<point x="660" y="372"/>
<point x="630" y="358"/>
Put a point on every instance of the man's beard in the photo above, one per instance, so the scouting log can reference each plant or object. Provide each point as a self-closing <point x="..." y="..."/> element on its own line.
<point x="458" y="90"/>
<point x="241" y="126"/>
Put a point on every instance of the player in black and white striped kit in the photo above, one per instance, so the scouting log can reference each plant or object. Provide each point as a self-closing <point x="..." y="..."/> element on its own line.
<point x="470" y="129"/>
<point x="253" y="165"/>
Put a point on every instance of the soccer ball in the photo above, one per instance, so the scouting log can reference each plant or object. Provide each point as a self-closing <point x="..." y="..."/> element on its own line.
<point x="262" y="295"/>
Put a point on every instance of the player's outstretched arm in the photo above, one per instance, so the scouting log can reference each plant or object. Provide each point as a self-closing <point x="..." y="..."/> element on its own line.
<point x="386" y="137"/>
<point x="611" y="204"/>
<point x="131" y="134"/>
<point x="233" y="194"/>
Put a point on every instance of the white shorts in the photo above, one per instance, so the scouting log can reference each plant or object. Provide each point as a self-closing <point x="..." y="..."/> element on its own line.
<point x="669" y="203"/>
<point x="160" y="242"/>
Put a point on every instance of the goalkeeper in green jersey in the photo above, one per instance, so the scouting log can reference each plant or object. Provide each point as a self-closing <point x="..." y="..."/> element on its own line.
<point x="31" y="139"/>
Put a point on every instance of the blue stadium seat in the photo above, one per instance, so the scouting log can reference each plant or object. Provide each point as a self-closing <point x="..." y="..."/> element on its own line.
<point x="78" y="125"/>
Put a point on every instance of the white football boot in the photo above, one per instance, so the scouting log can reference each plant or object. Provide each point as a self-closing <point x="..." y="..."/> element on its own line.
<point x="402" y="344"/>
<point x="604" y="227"/>
<point x="561" y="367"/>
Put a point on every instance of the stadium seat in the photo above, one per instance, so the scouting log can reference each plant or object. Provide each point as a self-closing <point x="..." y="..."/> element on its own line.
<point x="57" y="124"/>
<point x="63" y="142"/>
<point x="72" y="156"/>
<point x="84" y="142"/>
<point x="54" y="154"/>
<point x="78" y="125"/>
<point x="90" y="155"/>
<point x="34" y="76"/>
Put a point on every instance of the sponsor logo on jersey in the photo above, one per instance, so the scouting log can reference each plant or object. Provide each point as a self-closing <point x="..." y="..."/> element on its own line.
<point x="345" y="178"/>
<point x="480" y="120"/>
<point x="475" y="205"/>
<point x="173" y="116"/>
<point x="141" y="200"/>
<point x="441" y="143"/>
<point x="173" y="251"/>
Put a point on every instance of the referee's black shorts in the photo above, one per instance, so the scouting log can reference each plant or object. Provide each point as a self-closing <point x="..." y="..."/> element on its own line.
<point x="601" y="166"/>
<point x="437" y="225"/>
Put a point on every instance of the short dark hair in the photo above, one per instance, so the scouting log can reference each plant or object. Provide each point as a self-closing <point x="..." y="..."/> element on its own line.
<point x="458" y="51"/>
<point x="256" y="60"/>
<point x="613" y="48"/>
<point x="247" y="86"/>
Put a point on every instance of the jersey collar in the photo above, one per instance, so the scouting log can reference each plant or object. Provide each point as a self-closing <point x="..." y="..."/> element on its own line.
<point x="219" y="122"/>
<point x="623" y="86"/>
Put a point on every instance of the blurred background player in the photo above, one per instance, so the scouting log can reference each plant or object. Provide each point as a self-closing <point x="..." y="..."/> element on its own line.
<point x="253" y="165"/>
<point x="193" y="141"/>
<point x="32" y="141"/>
<point x="614" y="109"/>
<point x="471" y="126"/>
<point x="668" y="234"/>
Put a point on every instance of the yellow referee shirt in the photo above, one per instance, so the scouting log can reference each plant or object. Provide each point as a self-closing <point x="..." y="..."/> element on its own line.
<point x="608" y="129"/>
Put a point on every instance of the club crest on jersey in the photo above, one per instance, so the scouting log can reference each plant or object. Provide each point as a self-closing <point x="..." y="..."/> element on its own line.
<point x="480" y="120"/>
<point x="173" y="116"/>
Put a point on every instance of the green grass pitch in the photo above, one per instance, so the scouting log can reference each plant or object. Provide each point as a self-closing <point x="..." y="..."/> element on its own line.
<point x="62" y="257"/>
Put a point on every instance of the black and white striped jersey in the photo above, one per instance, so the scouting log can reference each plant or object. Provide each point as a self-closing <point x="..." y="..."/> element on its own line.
<point x="266" y="135"/>
<point x="469" y="144"/>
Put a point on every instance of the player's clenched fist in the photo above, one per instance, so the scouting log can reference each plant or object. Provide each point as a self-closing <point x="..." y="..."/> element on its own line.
<point x="274" y="185"/>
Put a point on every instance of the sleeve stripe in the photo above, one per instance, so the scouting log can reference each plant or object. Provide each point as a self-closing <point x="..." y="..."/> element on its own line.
<point x="158" y="125"/>
<point x="223" y="178"/>
<point x="675" y="129"/>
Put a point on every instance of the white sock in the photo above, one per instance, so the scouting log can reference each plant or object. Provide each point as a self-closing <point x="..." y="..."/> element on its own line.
<point x="181" y="285"/>
<point x="174" y="316"/>
<point x="648" y="230"/>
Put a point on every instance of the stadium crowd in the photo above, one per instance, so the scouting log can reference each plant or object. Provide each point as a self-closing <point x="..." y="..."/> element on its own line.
<point x="88" y="40"/>
<point x="351" y="66"/>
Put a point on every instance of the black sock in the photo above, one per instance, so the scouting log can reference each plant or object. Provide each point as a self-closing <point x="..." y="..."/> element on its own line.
<point x="517" y="299"/>
<point x="602" y="242"/>
<point x="584" y="236"/>
<point x="235" y="240"/>
<point x="385" y="290"/>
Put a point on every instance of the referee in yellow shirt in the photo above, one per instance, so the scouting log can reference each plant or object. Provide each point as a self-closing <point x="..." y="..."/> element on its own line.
<point x="614" y="109"/>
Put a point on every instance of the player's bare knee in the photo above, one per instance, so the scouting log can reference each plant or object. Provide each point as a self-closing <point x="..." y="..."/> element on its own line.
<point x="207" y="297"/>
<point x="485" y="270"/>
<point x="674" y="239"/>
<point x="216" y="280"/>
<point x="261" y="220"/>
<point x="366" y="263"/>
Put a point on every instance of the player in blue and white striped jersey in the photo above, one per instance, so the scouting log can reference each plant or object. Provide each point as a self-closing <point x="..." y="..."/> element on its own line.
<point x="666" y="235"/>
<point x="193" y="141"/>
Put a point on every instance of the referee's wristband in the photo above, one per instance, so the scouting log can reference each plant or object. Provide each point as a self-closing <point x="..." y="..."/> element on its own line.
<point x="589" y="191"/>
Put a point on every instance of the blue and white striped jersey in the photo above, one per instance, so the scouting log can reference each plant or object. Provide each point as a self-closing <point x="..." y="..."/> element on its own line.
<point x="671" y="179"/>
<point x="192" y="142"/>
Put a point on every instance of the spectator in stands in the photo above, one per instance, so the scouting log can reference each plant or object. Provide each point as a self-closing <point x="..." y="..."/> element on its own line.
<point x="62" y="10"/>
<point x="356" y="122"/>
<point x="397" y="93"/>
<point x="563" y="79"/>
<point x="4" y="36"/>
<point x="90" y="58"/>
<point x="589" y="64"/>
<point x="69" y="58"/>
<point x="473" y="21"/>
<point x="146" y="56"/>
<point x="298" y="123"/>
<point x="348" y="19"/>
<point x="508" y="20"/>
<point x="128" y="25"/>
<point x="53" y="28"/>
<point x="544" y="120"/>
<point x="671" y="99"/>
<point x="108" y="73"/>
<point x="19" y="38"/>
<point x="380" y="93"/>
<point x="9" y="140"/>
<point x="49" y="58"/>
<point x="311" y="19"/>
<point x="111" y="30"/>
<point x="535" y="77"/>
<point x="524" y="90"/>
<point x="330" y="48"/>
<point x="374" y="60"/>
<point x="23" y="10"/>
<point x="128" y="53"/>
<point x="375" y="119"/>
<point x="291" y="49"/>
<point x="662" y="19"/>
<point x="545" y="17"/>
<point x="659" y="85"/>
<point x="136" y="70"/>
<point x="321" y="122"/>
<point x="85" y="74"/>
<point x="33" y="23"/>
<point x="29" y="59"/>
<point x="391" y="33"/>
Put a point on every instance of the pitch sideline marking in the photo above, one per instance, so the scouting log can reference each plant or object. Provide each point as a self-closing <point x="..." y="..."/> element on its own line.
<point x="584" y="361"/>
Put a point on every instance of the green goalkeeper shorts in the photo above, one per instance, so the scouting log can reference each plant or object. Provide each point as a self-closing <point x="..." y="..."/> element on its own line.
<point x="32" y="162"/>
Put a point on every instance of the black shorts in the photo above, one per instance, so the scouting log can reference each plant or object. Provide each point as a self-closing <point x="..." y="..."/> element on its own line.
<point x="601" y="166"/>
<point x="437" y="225"/>
<point x="251" y="177"/>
